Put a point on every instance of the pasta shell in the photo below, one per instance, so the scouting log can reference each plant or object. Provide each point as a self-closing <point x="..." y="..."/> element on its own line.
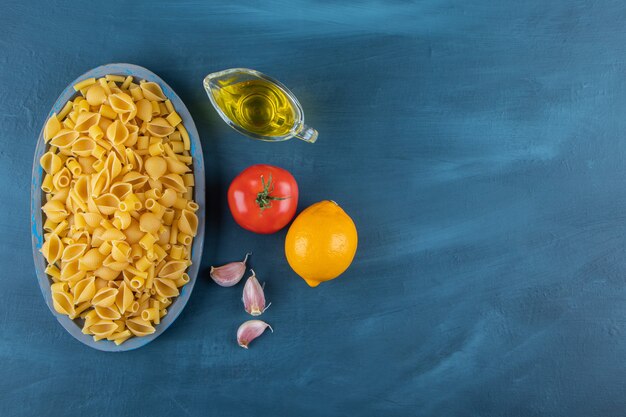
<point x="51" y="163"/>
<point x="91" y="261"/>
<point x="64" y="138"/>
<point x="113" y="165"/>
<point x="62" y="303"/>
<point x="175" y="182"/>
<point x="85" y="121"/>
<point x="139" y="327"/>
<point x="112" y="234"/>
<point x="81" y="187"/>
<point x="106" y="274"/>
<point x="71" y="272"/>
<point x="55" y="210"/>
<point x="108" y="313"/>
<point x="133" y="132"/>
<point x="172" y="269"/>
<point x="169" y="198"/>
<point x="72" y="252"/>
<point x="188" y="222"/>
<point x="160" y="127"/>
<point x="52" y="248"/>
<point x="156" y="167"/>
<point x="82" y="237"/>
<point x="121" y="190"/>
<point x="120" y="251"/>
<point x="96" y="95"/>
<point x="103" y="328"/>
<point x="117" y="132"/>
<point x="53" y="125"/>
<point x="144" y="110"/>
<point x="92" y="219"/>
<point x="111" y="263"/>
<point x="104" y="297"/>
<point x="127" y="117"/>
<point x="84" y="290"/>
<point x="122" y="103"/>
<point x="107" y="203"/>
<point x="100" y="182"/>
<point x="175" y="166"/>
<point x="83" y="146"/>
<point x="149" y="223"/>
<point x="133" y="233"/>
<point x="152" y="91"/>
<point x="125" y="298"/>
<point x="135" y="179"/>
<point x="166" y="287"/>
<point x="62" y="178"/>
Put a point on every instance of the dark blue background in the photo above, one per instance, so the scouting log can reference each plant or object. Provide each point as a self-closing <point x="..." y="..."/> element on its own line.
<point x="479" y="147"/>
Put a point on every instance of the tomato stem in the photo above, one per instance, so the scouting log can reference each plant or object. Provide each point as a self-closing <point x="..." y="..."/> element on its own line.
<point x="263" y="198"/>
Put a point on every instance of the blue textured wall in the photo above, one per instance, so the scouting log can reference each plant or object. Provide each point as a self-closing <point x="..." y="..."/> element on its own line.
<point x="479" y="147"/>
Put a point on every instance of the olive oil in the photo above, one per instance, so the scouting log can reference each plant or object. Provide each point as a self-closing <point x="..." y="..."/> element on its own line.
<point x="257" y="106"/>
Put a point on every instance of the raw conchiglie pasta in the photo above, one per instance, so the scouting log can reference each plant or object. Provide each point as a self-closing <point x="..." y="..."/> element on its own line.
<point x="84" y="290"/>
<point x="96" y="95"/>
<point x="175" y="166"/>
<point x="104" y="297"/>
<point x="156" y="167"/>
<point x="55" y="210"/>
<point x="103" y="328"/>
<point x="165" y="287"/>
<point x="172" y="269"/>
<point x="149" y="223"/>
<point x="117" y="132"/>
<point x="64" y="138"/>
<point x="160" y="127"/>
<point x="52" y="249"/>
<point x="121" y="190"/>
<point x="135" y="179"/>
<point x="107" y="203"/>
<point x="63" y="303"/>
<point x="86" y="121"/>
<point x="52" y="127"/>
<point x="83" y="146"/>
<point x="91" y="261"/>
<point x="73" y="252"/>
<point x="119" y="214"/>
<point x="71" y="271"/>
<point x="133" y="233"/>
<point x="108" y="313"/>
<point x="152" y="91"/>
<point x="122" y="103"/>
<point x="188" y="222"/>
<point x="113" y="165"/>
<point x="51" y="163"/>
<point x="144" y="110"/>
<point x="174" y="181"/>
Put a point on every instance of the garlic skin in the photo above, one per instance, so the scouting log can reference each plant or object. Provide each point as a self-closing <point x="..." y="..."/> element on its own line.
<point x="229" y="274"/>
<point x="250" y="330"/>
<point x="253" y="296"/>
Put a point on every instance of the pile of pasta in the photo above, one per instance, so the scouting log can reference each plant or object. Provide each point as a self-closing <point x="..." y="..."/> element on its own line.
<point x="119" y="213"/>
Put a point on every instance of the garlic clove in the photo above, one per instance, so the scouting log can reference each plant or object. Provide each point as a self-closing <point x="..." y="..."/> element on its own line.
<point x="253" y="296"/>
<point x="250" y="330"/>
<point x="229" y="274"/>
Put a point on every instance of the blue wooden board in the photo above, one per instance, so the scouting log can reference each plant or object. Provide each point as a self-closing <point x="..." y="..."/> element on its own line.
<point x="478" y="147"/>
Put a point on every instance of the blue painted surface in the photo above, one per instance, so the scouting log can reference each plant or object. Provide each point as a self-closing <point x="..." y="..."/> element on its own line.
<point x="478" y="147"/>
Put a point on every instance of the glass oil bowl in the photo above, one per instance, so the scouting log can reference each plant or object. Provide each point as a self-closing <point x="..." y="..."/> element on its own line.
<point x="257" y="106"/>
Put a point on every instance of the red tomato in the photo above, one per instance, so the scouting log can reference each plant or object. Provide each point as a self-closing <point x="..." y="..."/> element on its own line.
<point x="263" y="198"/>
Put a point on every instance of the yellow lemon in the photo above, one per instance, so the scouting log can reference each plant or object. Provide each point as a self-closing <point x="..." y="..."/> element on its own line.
<point x="321" y="243"/>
